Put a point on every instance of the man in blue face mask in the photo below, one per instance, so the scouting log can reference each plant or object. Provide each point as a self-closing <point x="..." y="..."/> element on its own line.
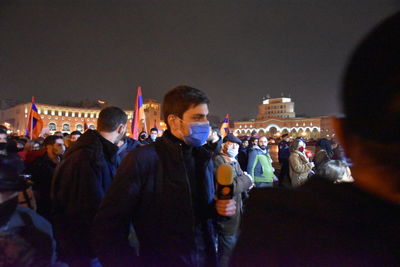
<point x="166" y="191"/>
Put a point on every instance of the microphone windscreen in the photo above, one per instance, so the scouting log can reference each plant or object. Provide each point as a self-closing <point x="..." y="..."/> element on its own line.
<point x="225" y="174"/>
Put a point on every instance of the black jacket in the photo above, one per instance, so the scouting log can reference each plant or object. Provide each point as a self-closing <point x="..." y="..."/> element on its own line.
<point x="79" y="184"/>
<point x="42" y="170"/>
<point x="151" y="190"/>
<point x="318" y="224"/>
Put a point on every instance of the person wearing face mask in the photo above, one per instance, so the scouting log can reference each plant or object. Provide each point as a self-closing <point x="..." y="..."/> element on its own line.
<point x="80" y="183"/>
<point x="166" y="191"/>
<point x="228" y="228"/>
<point x="42" y="170"/>
<point x="153" y="136"/>
<point x="299" y="165"/>
<point x="142" y="138"/>
<point x="260" y="164"/>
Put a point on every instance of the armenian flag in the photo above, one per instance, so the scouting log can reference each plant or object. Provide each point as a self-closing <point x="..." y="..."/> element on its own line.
<point x="138" y="120"/>
<point x="35" y="122"/>
<point x="225" y="126"/>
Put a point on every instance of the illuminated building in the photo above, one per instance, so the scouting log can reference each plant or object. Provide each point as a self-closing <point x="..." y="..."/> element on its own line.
<point x="67" y="119"/>
<point x="276" y="117"/>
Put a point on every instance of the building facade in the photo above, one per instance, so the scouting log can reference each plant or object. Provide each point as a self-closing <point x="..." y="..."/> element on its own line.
<point x="68" y="119"/>
<point x="276" y="116"/>
<point x="282" y="107"/>
<point x="314" y="128"/>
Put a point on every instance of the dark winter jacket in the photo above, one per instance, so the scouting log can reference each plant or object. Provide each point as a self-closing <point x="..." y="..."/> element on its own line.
<point x="152" y="191"/>
<point x="284" y="152"/>
<point x="242" y="183"/>
<point x="42" y="170"/>
<point x="128" y="146"/>
<point x="243" y="157"/>
<point x="79" y="184"/>
<point x="26" y="234"/>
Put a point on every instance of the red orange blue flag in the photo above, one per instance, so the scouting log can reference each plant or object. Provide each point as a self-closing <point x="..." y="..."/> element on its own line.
<point x="225" y="126"/>
<point x="138" y="120"/>
<point x="35" y="122"/>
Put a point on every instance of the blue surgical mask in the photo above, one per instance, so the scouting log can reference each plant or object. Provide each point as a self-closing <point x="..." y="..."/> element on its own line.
<point x="232" y="153"/>
<point x="199" y="132"/>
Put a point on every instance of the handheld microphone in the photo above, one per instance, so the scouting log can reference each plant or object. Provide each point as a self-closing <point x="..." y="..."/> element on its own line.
<point x="225" y="182"/>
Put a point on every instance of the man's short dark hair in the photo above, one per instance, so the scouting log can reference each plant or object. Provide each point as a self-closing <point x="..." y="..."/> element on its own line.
<point x="110" y="118"/>
<point x="153" y="129"/>
<point x="76" y="133"/>
<point x="51" y="139"/>
<point x="180" y="99"/>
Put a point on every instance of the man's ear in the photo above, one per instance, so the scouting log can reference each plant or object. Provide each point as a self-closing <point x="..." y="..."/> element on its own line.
<point x="121" y="128"/>
<point x="172" y="121"/>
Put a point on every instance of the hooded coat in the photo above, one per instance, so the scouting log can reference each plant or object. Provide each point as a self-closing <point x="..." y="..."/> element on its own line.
<point x="79" y="184"/>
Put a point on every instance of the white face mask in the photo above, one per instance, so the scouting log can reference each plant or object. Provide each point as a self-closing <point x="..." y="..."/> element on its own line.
<point x="232" y="153"/>
<point x="153" y="137"/>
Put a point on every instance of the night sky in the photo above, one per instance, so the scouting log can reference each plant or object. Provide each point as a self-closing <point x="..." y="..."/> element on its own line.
<point x="236" y="51"/>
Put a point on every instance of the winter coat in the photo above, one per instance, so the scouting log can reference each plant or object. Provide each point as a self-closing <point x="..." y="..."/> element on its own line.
<point x="23" y="231"/>
<point x="243" y="157"/>
<point x="79" y="184"/>
<point x="284" y="152"/>
<point x="129" y="145"/>
<point x="260" y="166"/>
<point x="151" y="190"/>
<point x="299" y="168"/>
<point x="241" y="184"/>
<point x="42" y="170"/>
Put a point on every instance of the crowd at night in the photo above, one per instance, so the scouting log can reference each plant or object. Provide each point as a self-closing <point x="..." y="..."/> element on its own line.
<point x="198" y="195"/>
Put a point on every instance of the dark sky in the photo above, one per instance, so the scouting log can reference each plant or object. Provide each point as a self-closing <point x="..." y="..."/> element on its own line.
<point x="236" y="51"/>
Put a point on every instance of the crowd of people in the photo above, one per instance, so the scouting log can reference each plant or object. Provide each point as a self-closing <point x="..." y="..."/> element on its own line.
<point x="100" y="198"/>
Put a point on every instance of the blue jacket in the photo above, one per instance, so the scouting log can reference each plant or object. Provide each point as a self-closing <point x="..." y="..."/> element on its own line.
<point x="151" y="190"/>
<point x="129" y="145"/>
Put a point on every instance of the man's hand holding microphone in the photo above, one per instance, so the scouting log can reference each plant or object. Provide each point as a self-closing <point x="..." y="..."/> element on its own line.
<point x="225" y="204"/>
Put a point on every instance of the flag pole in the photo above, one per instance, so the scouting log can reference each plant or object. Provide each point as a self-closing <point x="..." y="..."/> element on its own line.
<point x="31" y="118"/>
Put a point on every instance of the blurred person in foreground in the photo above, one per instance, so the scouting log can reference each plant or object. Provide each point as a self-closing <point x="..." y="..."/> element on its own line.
<point x="166" y="191"/>
<point x="344" y="224"/>
<point x="26" y="238"/>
